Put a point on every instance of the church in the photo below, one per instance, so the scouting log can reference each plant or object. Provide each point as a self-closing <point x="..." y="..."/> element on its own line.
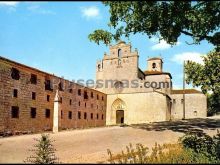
<point x="32" y="100"/>
<point x="152" y="99"/>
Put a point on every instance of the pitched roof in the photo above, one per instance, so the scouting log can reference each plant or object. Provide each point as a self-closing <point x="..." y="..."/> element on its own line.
<point x="148" y="72"/>
<point x="186" y="91"/>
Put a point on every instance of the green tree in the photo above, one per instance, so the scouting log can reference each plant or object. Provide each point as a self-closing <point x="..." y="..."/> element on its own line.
<point x="44" y="152"/>
<point x="167" y="19"/>
<point x="207" y="76"/>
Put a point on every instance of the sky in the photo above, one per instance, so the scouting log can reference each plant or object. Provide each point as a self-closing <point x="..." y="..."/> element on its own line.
<point x="53" y="37"/>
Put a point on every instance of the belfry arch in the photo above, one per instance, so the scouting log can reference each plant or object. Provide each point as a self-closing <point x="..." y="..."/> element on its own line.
<point x="118" y="109"/>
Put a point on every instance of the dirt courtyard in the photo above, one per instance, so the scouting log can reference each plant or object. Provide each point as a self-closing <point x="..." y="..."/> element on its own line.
<point x="90" y="145"/>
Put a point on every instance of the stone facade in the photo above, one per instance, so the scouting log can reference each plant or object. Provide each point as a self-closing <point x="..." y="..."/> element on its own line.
<point x="27" y="102"/>
<point x="151" y="99"/>
<point x="33" y="100"/>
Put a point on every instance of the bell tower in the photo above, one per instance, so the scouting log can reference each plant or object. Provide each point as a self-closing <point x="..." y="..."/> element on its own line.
<point x="155" y="64"/>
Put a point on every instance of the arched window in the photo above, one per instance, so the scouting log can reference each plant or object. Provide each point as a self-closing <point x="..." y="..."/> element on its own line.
<point x="99" y="67"/>
<point x="154" y="65"/>
<point x="119" y="53"/>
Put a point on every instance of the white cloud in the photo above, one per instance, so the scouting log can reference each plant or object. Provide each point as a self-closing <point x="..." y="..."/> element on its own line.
<point x="192" y="56"/>
<point x="8" y="3"/>
<point x="161" y="45"/>
<point x="36" y="8"/>
<point x="90" y="12"/>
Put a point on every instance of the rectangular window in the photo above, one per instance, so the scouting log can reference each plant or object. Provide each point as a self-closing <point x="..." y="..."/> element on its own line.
<point x="70" y="101"/>
<point x="91" y="94"/>
<point x="102" y="116"/>
<point x="48" y="98"/>
<point x="91" y="115"/>
<point x="61" y="114"/>
<point x="70" y="115"/>
<point x="61" y="100"/>
<point x="33" y="112"/>
<point x="79" y="92"/>
<point x="85" y="95"/>
<point x="70" y="90"/>
<point x="102" y="98"/>
<point x="97" y="97"/>
<point x="33" y="95"/>
<point x="182" y="101"/>
<point x="48" y="85"/>
<point x="14" y="112"/>
<point x="33" y="79"/>
<point x="97" y="116"/>
<point x="85" y="115"/>
<point x="15" y="93"/>
<point x="15" y="74"/>
<point x="85" y="105"/>
<point x="79" y="115"/>
<point x="79" y="103"/>
<point x="60" y="86"/>
<point x="47" y="113"/>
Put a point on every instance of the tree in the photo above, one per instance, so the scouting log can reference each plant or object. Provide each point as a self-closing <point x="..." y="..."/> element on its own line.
<point x="208" y="77"/>
<point x="44" y="152"/>
<point x="168" y="19"/>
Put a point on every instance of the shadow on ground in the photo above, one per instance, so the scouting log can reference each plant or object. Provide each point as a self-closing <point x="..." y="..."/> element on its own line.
<point x="183" y="126"/>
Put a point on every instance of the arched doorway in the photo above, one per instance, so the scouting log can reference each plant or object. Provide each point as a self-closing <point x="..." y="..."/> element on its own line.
<point x="119" y="117"/>
<point x="118" y="108"/>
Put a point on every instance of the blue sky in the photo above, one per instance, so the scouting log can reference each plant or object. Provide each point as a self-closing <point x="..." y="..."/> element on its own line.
<point x="53" y="37"/>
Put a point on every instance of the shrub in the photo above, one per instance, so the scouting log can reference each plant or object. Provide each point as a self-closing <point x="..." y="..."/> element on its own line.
<point x="191" y="148"/>
<point x="44" y="152"/>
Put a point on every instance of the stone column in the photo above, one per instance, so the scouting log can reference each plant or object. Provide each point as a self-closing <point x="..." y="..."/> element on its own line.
<point x="56" y="112"/>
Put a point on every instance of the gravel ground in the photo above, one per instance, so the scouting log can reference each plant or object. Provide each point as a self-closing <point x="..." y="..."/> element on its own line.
<point x="90" y="145"/>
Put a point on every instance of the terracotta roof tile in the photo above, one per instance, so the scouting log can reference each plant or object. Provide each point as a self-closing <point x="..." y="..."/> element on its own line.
<point x="187" y="91"/>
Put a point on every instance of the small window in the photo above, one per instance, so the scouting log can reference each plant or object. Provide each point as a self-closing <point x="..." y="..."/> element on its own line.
<point x="70" y="101"/>
<point x="48" y="85"/>
<point x="33" y="95"/>
<point x="97" y="116"/>
<point x="91" y="94"/>
<point x="102" y="116"/>
<point x="97" y="97"/>
<point x="79" y="103"/>
<point x="119" y="53"/>
<point x="91" y="115"/>
<point x="15" y="93"/>
<point x="79" y="115"/>
<point x="85" y="115"/>
<point x="182" y="101"/>
<point x="70" y="90"/>
<point x="48" y="98"/>
<point x="47" y="113"/>
<point x="102" y="98"/>
<point x="61" y="114"/>
<point x="79" y="92"/>
<point x="15" y="74"/>
<point x="61" y="100"/>
<point x="33" y="79"/>
<point x="70" y="115"/>
<point x="85" y="95"/>
<point x="60" y="86"/>
<point x="85" y="104"/>
<point x="154" y="65"/>
<point x="33" y="112"/>
<point x="14" y="112"/>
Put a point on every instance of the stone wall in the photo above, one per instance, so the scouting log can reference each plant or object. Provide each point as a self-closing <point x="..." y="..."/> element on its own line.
<point x="138" y="108"/>
<point x="24" y="87"/>
<point x="195" y="106"/>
